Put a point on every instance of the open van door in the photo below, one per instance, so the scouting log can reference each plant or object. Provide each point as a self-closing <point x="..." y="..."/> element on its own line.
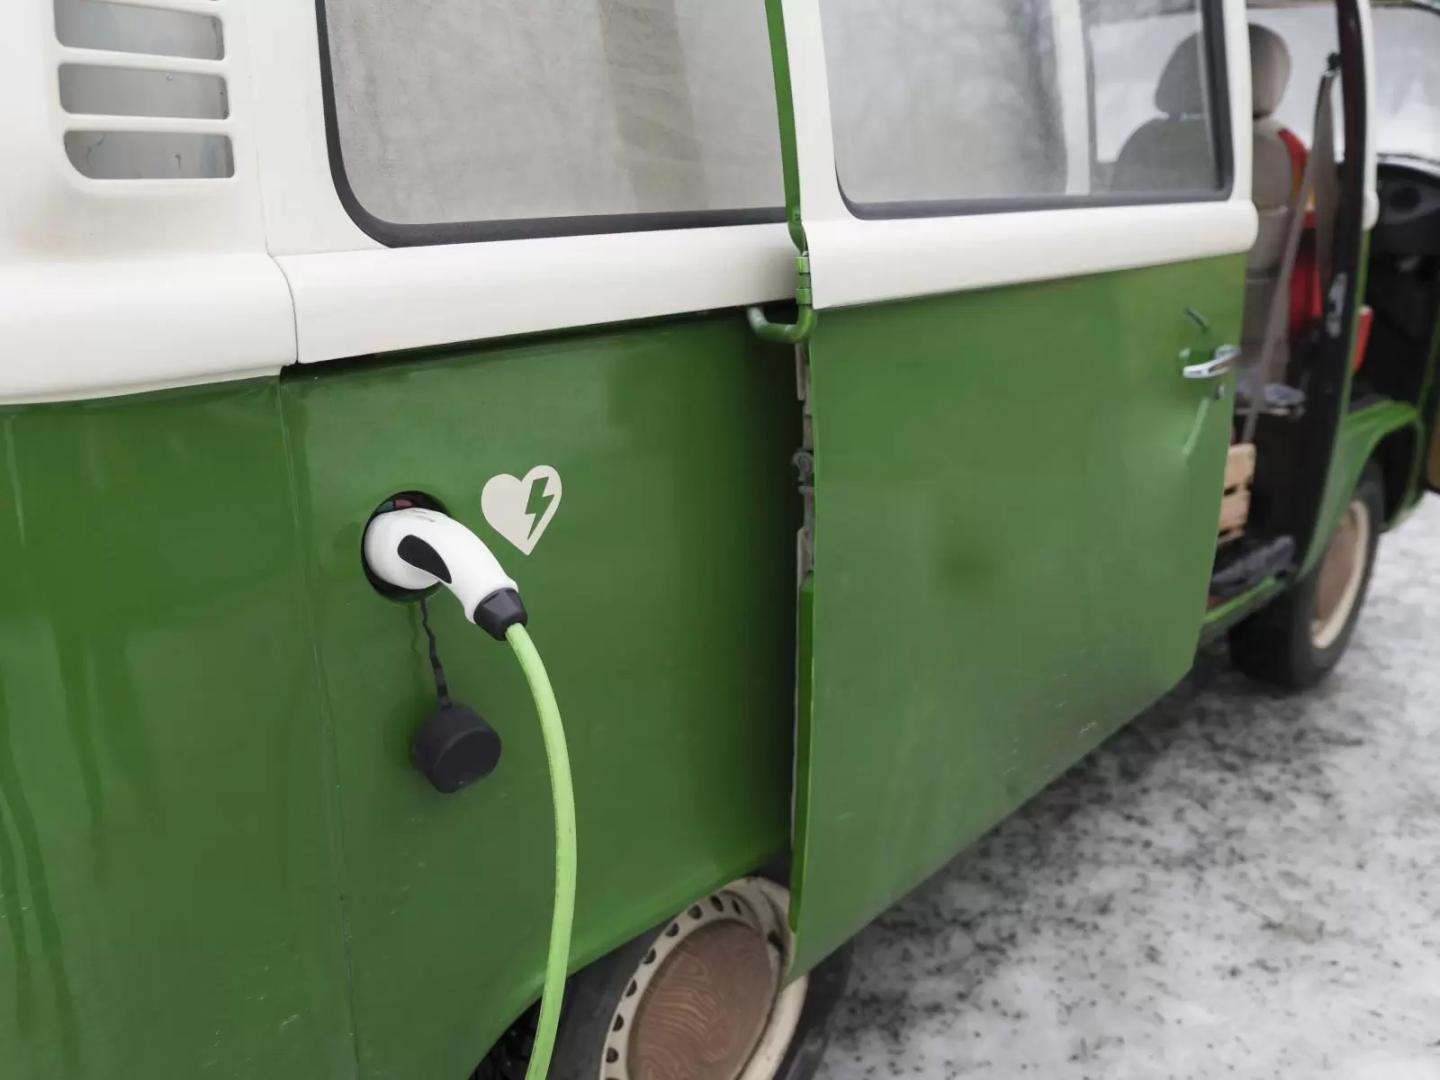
<point x="1026" y="226"/>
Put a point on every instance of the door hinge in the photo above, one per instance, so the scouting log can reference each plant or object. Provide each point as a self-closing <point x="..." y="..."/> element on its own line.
<point x="804" y="462"/>
<point x="789" y="333"/>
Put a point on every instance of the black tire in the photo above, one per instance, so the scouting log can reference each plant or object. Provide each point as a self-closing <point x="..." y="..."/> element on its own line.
<point x="593" y="994"/>
<point x="1277" y="645"/>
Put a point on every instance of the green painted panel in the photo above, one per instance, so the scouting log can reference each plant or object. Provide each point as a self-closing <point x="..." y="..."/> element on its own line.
<point x="1016" y="497"/>
<point x="1360" y="433"/>
<point x="167" y="888"/>
<point x="1223" y="616"/>
<point x="662" y="598"/>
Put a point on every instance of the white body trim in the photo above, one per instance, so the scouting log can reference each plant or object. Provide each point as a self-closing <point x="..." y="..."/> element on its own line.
<point x="862" y="262"/>
<point x="1372" y="150"/>
<point x="111" y="287"/>
<point x="354" y="296"/>
<point x="356" y="302"/>
<point x="1068" y="27"/>
<point x="303" y="212"/>
<point x="93" y="328"/>
<point x="118" y="286"/>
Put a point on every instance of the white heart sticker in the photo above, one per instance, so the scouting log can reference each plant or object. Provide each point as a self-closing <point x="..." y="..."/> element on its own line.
<point x="521" y="509"/>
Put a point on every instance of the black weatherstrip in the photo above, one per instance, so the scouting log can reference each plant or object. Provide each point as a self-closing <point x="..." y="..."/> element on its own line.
<point x="1328" y="386"/>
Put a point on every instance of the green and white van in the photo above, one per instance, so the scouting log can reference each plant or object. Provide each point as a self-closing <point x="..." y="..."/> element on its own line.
<point x="877" y="405"/>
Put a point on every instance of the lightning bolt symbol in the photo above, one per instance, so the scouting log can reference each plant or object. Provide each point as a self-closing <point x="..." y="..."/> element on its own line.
<point x="538" y="502"/>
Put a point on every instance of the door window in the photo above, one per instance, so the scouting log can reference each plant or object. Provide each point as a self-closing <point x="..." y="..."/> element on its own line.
<point x="937" y="102"/>
<point x="498" y="118"/>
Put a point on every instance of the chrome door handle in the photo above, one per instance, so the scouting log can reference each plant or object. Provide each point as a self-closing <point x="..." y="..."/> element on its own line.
<point x="1221" y="360"/>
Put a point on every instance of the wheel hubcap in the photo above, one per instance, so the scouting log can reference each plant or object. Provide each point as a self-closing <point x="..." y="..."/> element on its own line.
<point x="706" y="1006"/>
<point x="706" y="1002"/>
<point x="1341" y="574"/>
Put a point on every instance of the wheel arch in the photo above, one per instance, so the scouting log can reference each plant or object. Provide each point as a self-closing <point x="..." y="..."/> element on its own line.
<point x="1398" y="456"/>
<point x="1387" y="432"/>
<point x="593" y="992"/>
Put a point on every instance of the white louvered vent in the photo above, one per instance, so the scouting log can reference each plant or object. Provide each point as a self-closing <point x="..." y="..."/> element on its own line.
<point x="143" y="88"/>
<point x="132" y="222"/>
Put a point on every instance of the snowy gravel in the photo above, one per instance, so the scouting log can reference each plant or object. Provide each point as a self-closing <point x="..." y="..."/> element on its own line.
<point x="1238" y="884"/>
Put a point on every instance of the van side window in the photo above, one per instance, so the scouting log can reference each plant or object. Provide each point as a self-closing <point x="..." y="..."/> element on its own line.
<point x="937" y="104"/>
<point x="474" y="119"/>
<point x="1156" y="96"/>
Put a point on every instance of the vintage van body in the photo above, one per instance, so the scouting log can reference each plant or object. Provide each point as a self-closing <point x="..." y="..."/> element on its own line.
<point x="862" y="378"/>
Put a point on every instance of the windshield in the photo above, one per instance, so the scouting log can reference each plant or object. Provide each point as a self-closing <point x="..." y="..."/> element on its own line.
<point x="1407" y="81"/>
<point x="1407" y="73"/>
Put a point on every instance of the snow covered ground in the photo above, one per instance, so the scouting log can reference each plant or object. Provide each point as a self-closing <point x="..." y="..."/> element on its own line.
<point x="1238" y="884"/>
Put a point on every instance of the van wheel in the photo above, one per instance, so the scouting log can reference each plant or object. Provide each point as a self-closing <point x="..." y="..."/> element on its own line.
<point x="700" y="996"/>
<point x="1296" y="640"/>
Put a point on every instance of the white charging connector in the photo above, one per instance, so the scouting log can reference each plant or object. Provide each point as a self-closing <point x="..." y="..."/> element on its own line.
<point x="414" y="549"/>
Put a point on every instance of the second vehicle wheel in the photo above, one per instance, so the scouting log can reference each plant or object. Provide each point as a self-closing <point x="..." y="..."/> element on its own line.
<point x="700" y="997"/>
<point x="1296" y="640"/>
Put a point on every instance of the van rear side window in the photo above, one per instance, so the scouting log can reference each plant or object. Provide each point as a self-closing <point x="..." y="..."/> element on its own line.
<point x="941" y="106"/>
<point x="474" y="119"/>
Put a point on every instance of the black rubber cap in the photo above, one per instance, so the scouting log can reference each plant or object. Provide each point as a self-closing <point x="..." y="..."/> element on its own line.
<point x="455" y="747"/>
<point x="499" y="611"/>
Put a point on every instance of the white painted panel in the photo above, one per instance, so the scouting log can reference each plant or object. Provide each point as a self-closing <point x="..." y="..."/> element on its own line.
<point x="113" y="286"/>
<point x="869" y="261"/>
<point x="862" y="261"/>
<point x="1242" y="123"/>
<point x="52" y="211"/>
<point x="91" y="328"/>
<point x="1071" y="76"/>
<point x="359" y="302"/>
<point x="303" y="213"/>
<point x="1372" y="156"/>
<point x="354" y="297"/>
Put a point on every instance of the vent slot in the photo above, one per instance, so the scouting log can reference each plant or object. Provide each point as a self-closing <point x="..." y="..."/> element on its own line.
<point x="116" y="91"/>
<point x="150" y="155"/>
<point x="143" y="83"/>
<point x="95" y="24"/>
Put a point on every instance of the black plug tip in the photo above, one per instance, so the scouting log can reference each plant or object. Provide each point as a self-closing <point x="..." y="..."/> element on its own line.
<point x="499" y="611"/>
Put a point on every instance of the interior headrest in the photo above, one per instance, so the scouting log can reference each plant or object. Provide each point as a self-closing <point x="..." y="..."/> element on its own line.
<point x="1269" y="70"/>
<point x="1181" y="91"/>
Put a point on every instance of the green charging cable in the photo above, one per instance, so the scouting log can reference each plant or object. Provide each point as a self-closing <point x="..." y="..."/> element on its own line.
<point x="414" y="549"/>
<point x="562" y="792"/>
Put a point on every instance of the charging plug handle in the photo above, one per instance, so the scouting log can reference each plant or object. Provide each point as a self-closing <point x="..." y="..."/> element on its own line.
<point x="415" y="549"/>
